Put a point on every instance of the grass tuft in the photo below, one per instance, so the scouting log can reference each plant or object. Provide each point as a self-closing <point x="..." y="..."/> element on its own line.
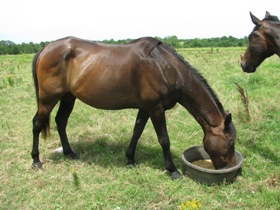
<point x="245" y="100"/>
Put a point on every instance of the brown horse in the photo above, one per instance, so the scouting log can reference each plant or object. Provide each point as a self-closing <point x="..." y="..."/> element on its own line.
<point x="145" y="74"/>
<point x="264" y="41"/>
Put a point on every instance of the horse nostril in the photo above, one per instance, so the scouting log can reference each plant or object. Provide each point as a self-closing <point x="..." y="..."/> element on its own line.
<point x="246" y="67"/>
<point x="243" y="66"/>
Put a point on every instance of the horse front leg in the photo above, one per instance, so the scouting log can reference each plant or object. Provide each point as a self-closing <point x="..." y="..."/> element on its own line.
<point x="159" y="123"/>
<point x="65" y="108"/>
<point x="141" y="120"/>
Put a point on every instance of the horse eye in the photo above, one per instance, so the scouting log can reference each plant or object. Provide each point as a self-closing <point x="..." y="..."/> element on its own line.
<point x="254" y="36"/>
<point x="230" y="141"/>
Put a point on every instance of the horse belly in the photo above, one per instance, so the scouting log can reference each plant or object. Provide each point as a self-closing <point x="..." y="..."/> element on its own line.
<point x="108" y="96"/>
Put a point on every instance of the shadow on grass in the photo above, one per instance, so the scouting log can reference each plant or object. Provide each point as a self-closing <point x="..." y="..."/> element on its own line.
<point x="262" y="148"/>
<point x="102" y="151"/>
<point x="266" y="153"/>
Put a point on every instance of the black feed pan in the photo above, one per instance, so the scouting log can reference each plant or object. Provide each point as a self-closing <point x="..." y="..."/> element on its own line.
<point x="208" y="176"/>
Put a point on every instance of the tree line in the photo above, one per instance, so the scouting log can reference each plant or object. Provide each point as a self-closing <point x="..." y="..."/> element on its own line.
<point x="9" y="47"/>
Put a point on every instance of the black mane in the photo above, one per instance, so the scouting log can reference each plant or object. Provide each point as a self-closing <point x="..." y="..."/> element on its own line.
<point x="197" y="74"/>
<point x="147" y="44"/>
<point x="270" y="17"/>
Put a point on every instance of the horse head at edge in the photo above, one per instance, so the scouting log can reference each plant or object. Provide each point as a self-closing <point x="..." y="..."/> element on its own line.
<point x="262" y="43"/>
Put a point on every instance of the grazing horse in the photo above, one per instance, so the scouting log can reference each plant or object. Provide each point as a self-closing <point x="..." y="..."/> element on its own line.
<point x="264" y="41"/>
<point x="144" y="74"/>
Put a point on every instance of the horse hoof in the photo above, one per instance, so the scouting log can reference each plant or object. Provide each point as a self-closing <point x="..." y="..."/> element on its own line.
<point x="176" y="175"/>
<point x="72" y="155"/>
<point x="37" y="166"/>
<point x="131" y="165"/>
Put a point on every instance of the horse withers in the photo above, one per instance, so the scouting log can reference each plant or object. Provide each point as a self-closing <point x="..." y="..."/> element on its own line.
<point x="264" y="41"/>
<point x="144" y="74"/>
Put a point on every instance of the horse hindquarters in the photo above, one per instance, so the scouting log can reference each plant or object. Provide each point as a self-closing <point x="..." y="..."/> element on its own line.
<point x="49" y="82"/>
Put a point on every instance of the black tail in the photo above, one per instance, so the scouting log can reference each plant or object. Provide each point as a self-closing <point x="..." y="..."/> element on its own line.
<point x="34" y="73"/>
<point x="46" y="126"/>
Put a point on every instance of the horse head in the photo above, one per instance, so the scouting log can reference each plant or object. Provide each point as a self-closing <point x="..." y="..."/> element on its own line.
<point x="263" y="42"/>
<point x="219" y="144"/>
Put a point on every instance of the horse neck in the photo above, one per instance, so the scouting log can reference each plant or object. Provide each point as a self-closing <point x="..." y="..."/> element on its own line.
<point x="278" y="40"/>
<point x="275" y="26"/>
<point x="199" y="99"/>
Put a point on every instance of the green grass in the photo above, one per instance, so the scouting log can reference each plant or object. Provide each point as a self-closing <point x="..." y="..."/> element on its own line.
<point x="100" y="180"/>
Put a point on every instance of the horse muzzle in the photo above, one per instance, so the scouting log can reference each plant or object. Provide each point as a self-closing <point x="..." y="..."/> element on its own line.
<point x="247" y="67"/>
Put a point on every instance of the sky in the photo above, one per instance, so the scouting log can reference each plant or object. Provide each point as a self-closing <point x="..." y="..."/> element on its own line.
<point x="48" y="20"/>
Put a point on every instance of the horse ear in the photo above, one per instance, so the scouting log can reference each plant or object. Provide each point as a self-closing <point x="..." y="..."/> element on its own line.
<point x="255" y="20"/>
<point x="228" y="120"/>
<point x="270" y="17"/>
<point x="267" y="15"/>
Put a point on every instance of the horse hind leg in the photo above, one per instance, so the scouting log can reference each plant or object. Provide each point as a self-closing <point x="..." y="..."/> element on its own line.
<point x="40" y="124"/>
<point x="65" y="108"/>
<point x="141" y="120"/>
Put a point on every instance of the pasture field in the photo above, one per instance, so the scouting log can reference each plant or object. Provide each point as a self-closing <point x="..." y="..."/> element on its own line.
<point x="100" y="179"/>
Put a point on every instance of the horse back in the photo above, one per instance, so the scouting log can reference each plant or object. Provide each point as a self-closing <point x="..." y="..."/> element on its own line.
<point x="104" y="76"/>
